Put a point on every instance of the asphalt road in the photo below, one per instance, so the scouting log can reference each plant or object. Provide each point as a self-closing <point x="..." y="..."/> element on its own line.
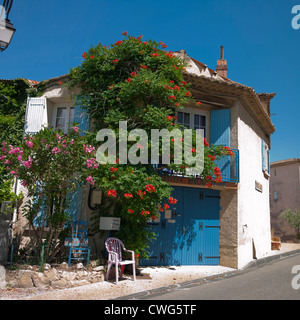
<point x="271" y="281"/>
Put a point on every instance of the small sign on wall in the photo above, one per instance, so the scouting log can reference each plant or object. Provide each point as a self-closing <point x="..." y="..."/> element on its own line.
<point x="110" y="223"/>
<point x="258" y="186"/>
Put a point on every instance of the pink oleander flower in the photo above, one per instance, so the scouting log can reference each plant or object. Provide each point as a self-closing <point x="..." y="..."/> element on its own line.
<point x="91" y="163"/>
<point x="29" y="144"/>
<point x="88" y="149"/>
<point x="28" y="163"/>
<point x="75" y="129"/>
<point x="55" y="150"/>
<point x="90" y="180"/>
<point x="15" y="150"/>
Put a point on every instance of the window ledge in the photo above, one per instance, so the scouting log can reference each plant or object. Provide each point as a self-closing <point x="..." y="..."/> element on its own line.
<point x="266" y="174"/>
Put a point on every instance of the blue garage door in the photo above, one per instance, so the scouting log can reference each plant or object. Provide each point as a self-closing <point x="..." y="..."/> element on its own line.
<point x="189" y="233"/>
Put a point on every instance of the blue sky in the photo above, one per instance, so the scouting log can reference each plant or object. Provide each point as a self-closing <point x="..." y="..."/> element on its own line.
<point x="261" y="47"/>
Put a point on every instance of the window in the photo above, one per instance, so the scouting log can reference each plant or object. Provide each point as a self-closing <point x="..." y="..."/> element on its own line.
<point x="194" y="120"/>
<point x="184" y="119"/>
<point x="64" y="118"/>
<point x="200" y="124"/>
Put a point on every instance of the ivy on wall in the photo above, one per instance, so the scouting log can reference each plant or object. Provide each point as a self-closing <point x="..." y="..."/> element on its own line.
<point x="13" y="97"/>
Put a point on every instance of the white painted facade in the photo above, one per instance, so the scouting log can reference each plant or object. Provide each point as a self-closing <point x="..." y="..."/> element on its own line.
<point x="254" y="231"/>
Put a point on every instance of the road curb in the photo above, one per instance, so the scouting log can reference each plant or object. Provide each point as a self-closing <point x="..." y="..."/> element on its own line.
<point x="259" y="262"/>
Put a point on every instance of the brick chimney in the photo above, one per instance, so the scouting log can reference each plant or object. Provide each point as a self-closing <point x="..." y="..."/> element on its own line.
<point x="222" y="65"/>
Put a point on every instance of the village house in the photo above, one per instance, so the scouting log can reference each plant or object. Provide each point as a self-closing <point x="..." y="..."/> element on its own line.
<point x="284" y="194"/>
<point x="227" y="224"/>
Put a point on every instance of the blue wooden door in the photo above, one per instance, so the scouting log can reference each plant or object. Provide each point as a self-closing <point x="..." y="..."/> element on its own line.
<point x="191" y="235"/>
<point x="166" y="248"/>
<point x="211" y="227"/>
<point x="172" y="252"/>
<point x="201" y="227"/>
<point x="192" y="228"/>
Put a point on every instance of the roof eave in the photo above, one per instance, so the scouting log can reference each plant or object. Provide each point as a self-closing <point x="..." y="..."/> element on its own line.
<point x="246" y="94"/>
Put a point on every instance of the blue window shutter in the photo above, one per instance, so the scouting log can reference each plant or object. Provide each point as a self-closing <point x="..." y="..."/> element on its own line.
<point x="263" y="154"/>
<point x="81" y="116"/>
<point x="38" y="220"/>
<point x="220" y="135"/>
<point x="74" y="209"/>
<point x="220" y="127"/>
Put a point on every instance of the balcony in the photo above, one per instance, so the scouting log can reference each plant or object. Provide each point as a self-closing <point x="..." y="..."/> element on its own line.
<point x="229" y="166"/>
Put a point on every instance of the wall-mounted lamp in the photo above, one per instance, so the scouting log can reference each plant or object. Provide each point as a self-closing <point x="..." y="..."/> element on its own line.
<point x="7" y="29"/>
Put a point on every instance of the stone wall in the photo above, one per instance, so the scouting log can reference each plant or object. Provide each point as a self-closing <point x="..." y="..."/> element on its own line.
<point x="228" y="230"/>
<point x="56" y="276"/>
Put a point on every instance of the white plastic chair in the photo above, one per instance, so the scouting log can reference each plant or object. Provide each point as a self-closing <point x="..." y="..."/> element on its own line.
<point x="114" y="248"/>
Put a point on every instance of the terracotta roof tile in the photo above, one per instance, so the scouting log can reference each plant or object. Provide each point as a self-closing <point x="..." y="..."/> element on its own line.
<point x="285" y="162"/>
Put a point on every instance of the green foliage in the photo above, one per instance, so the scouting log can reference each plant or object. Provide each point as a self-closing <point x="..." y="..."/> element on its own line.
<point x="138" y="82"/>
<point x="135" y="197"/>
<point x="127" y="78"/>
<point x="12" y="111"/>
<point x="6" y="184"/>
<point x="293" y="219"/>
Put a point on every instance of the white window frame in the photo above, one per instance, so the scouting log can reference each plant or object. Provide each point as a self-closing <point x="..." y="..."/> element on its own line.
<point x="197" y="112"/>
<point x="68" y="108"/>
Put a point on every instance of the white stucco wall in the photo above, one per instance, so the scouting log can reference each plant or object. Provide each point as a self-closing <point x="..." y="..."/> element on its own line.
<point x="254" y="232"/>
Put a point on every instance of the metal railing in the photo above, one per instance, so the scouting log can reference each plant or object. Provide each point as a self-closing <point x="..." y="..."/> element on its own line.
<point x="229" y="165"/>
